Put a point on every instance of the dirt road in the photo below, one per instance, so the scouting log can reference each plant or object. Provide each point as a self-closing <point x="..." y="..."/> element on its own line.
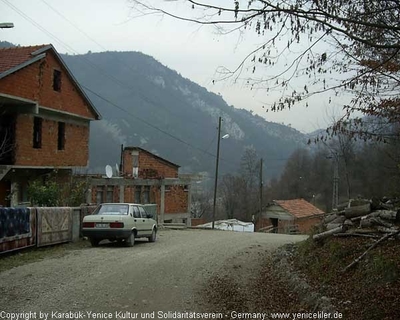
<point x="168" y="275"/>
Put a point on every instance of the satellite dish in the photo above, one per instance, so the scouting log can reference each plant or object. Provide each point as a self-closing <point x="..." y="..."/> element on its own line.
<point x="109" y="171"/>
<point x="117" y="169"/>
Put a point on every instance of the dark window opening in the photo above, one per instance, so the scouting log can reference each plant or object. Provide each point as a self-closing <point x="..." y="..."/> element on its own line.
<point x="137" y="195"/>
<point x="37" y="132"/>
<point x="146" y="195"/>
<point x="57" y="80"/>
<point x="61" y="136"/>
<point x="110" y="194"/>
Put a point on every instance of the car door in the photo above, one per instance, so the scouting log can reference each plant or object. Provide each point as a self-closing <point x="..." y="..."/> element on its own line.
<point x="147" y="225"/>
<point x="139" y="223"/>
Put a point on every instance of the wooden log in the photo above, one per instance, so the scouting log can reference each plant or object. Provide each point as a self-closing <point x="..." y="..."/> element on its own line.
<point x="362" y="235"/>
<point x="386" y="230"/>
<point x="330" y="217"/>
<point x="387" y="236"/>
<point x="339" y="220"/>
<point x="368" y="222"/>
<point x="328" y="233"/>
<point x="389" y="215"/>
<point x="358" y="202"/>
<point x="385" y="214"/>
<point x="348" y="223"/>
<point x="358" y="211"/>
<point x="341" y="213"/>
<point x="331" y="226"/>
<point x="364" y="231"/>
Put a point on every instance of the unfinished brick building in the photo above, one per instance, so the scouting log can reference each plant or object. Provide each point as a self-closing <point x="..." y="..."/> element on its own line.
<point x="44" y="119"/>
<point x="146" y="178"/>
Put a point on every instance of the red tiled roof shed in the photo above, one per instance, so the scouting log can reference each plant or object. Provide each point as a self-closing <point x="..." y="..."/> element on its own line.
<point x="299" y="208"/>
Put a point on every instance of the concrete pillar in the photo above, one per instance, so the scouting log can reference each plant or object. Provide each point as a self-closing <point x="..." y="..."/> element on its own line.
<point x="14" y="190"/>
<point x="121" y="193"/>
<point x="89" y="195"/>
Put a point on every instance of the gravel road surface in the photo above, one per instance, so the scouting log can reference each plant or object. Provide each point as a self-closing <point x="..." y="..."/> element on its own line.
<point x="168" y="275"/>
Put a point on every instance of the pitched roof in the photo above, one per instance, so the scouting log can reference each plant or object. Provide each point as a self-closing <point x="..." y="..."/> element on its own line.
<point x="153" y="155"/>
<point x="15" y="58"/>
<point x="299" y="208"/>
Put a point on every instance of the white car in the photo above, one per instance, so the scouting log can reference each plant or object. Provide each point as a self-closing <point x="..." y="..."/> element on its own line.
<point x="123" y="222"/>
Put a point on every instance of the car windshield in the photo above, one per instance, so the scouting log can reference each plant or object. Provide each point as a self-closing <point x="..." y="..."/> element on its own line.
<point x="112" y="209"/>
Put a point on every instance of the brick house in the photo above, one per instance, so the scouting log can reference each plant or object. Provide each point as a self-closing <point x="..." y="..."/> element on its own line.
<point x="44" y="119"/>
<point x="290" y="216"/>
<point x="146" y="178"/>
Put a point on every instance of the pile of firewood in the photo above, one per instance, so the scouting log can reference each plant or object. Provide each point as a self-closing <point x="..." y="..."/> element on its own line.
<point x="366" y="218"/>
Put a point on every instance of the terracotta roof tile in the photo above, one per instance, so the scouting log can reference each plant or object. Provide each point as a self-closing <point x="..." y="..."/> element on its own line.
<point x="299" y="208"/>
<point x="12" y="57"/>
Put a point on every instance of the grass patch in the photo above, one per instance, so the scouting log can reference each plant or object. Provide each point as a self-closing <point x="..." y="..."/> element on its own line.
<point x="30" y="255"/>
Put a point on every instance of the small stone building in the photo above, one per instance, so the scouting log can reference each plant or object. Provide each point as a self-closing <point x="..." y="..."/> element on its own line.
<point x="146" y="178"/>
<point x="290" y="216"/>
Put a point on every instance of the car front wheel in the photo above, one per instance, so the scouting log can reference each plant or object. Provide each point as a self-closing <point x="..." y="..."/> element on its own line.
<point x="153" y="236"/>
<point x="130" y="241"/>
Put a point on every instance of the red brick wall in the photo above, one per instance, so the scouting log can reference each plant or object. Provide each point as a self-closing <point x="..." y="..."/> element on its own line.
<point x="76" y="149"/>
<point x="176" y="200"/>
<point x="35" y="82"/>
<point x="149" y="167"/>
<point x="305" y="225"/>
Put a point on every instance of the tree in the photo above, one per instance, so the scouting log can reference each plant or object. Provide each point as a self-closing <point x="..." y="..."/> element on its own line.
<point x="341" y="48"/>
<point x="201" y="205"/>
<point x="233" y="189"/>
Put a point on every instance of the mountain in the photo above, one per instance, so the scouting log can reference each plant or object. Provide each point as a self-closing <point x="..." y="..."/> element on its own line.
<point x="143" y="103"/>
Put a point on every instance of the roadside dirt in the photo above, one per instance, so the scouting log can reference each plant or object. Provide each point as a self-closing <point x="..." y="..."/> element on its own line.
<point x="370" y="290"/>
<point x="168" y="275"/>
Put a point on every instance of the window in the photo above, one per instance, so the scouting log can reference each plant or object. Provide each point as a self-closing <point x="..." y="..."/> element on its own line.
<point x="146" y="195"/>
<point x="57" y="80"/>
<point x="110" y="194"/>
<point x="137" y="195"/>
<point x="61" y="136"/>
<point x="142" y="212"/>
<point x="99" y="194"/>
<point x="116" y="209"/>
<point x="37" y="132"/>
<point x="136" y="212"/>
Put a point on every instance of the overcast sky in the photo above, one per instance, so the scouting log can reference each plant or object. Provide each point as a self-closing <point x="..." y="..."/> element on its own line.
<point x="77" y="26"/>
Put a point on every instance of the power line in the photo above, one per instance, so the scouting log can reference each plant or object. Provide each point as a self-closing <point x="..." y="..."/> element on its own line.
<point x="116" y="58"/>
<point x="151" y="125"/>
<point x="105" y="73"/>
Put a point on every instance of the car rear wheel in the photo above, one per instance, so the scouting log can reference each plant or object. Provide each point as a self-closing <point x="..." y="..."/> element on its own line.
<point x="94" y="242"/>
<point x="130" y="241"/>
<point x="153" y="236"/>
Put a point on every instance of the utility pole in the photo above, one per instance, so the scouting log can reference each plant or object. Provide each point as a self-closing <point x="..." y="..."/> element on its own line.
<point x="261" y="191"/>
<point x="216" y="173"/>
